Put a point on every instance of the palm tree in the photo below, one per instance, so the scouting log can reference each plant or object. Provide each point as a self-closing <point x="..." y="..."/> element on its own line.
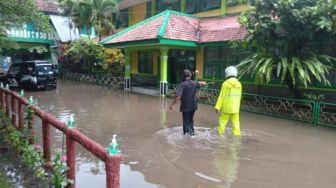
<point x="103" y="15"/>
<point x="283" y="35"/>
<point x="91" y="13"/>
<point x="82" y="14"/>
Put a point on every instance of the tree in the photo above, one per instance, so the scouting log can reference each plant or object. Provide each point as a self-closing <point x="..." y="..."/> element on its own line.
<point x="280" y="33"/>
<point x="91" y="13"/>
<point x="14" y="13"/>
<point x="86" y="56"/>
<point x="103" y="13"/>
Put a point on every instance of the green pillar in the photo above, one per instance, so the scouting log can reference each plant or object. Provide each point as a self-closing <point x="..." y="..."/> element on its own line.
<point x="183" y="5"/>
<point x="163" y="71"/>
<point x="153" y="7"/>
<point x="223" y="7"/>
<point x="127" y="81"/>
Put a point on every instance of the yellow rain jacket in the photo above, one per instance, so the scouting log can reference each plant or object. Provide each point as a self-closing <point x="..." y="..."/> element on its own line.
<point x="230" y="96"/>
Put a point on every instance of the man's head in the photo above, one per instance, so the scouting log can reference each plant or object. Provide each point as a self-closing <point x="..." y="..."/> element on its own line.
<point x="231" y="71"/>
<point x="186" y="74"/>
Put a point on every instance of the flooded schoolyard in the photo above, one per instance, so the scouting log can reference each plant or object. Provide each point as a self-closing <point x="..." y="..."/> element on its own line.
<point x="271" y="152"/>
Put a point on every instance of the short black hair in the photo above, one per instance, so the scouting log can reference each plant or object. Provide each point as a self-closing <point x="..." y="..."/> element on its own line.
<point x="186" y="73"/>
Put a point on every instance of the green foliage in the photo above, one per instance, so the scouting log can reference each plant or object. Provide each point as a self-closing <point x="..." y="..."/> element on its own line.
<point x="231" y="3"/>
<point x="32" y="156"/>
<point x="17" y="12"/>
<point x="103" y="15"/>
<point x="91" y="13"/>
<point x="59" y="170"/>
<point x="280" y="32"/>
<point x="86" y="56"/>
<point x="313" y="97"/>
<point x="89" y="57"/>
<point x="4" y="183"/>
<point x="116" y="61"/>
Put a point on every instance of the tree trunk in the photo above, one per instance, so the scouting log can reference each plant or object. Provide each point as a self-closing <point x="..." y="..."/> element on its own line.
<point x="293" y="88"/>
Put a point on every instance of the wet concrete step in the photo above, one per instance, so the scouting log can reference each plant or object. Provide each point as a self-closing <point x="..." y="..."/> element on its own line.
<point x="146" y="90"/>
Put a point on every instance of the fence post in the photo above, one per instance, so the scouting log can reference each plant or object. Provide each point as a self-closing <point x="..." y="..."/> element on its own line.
<point x="71" y="158"/>
<point x="30" y="124"/>
<point x="46" y="141"/>
<point x="317" y="113"/>
<point x="112" y="166"/>
<point x="21" y="115"/>
<point x="1" y="101"/>
<point x="7" y="104"/>
<point x="13" y="109"/>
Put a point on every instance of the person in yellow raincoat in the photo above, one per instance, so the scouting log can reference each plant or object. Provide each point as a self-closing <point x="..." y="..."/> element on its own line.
<point x="228" y="102"/>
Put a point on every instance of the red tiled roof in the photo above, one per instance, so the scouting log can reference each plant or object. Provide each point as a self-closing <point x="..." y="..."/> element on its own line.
<point x="142" y="32"/>
<point x="47" y="6"/>
<point x="182" y="27"/>
<point x="221" y="29"/>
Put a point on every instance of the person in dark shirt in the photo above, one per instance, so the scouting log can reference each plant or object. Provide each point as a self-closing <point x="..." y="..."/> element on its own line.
<point x="186" y="93"/>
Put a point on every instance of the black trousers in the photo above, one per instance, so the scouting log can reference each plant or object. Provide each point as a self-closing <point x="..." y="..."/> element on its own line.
<point x="188" y="122"/>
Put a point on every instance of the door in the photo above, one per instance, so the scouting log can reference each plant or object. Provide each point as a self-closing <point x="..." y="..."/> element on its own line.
<point x="179" y="60"/>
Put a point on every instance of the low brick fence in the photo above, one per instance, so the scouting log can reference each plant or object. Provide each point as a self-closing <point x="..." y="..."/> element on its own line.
<point x="13" y="105"/>
<point x="97" y="79"/>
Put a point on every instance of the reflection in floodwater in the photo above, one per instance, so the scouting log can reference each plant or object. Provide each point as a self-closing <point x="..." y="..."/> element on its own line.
<point x="226" y="160"/>
<point x="271" y="152"/>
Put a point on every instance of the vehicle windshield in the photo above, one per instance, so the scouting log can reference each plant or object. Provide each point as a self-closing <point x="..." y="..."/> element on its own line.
<point x="44" y="69"/>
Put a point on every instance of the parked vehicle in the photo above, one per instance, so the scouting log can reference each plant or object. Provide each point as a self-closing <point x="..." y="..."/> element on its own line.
<point x="31" y="75"/>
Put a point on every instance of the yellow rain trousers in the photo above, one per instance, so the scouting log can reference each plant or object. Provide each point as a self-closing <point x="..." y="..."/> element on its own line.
<point x="228" y="103"/>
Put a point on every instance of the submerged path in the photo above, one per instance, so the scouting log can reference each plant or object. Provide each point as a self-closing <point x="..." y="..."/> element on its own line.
<point x="272" y="152"/>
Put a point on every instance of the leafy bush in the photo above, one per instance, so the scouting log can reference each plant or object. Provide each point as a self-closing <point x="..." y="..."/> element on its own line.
<point x="89" y="57"/>
<point x="86" y="56"/>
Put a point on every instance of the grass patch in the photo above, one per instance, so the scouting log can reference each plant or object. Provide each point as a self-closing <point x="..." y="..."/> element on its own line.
<point x="4" y="182"/>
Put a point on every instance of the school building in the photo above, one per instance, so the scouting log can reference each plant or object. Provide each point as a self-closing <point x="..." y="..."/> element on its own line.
<point x="161" y="38"/>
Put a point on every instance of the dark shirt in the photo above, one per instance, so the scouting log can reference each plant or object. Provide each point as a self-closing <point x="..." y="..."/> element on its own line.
<point x="187" y="91"/>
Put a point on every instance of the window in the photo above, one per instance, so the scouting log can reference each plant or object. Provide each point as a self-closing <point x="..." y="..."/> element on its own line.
<point x="191" y="6"/>
<point x="194" y="6"/>
<point x="162" y="5"/>
<point x="231" y="3"/>
<point x="14" y="70"/>
<point x="210" y="4"/>
<point x="145" y="64"/>
<point x="122" y="19"/>
<point x="148" y="9"/>
<point x="216" y="60"/>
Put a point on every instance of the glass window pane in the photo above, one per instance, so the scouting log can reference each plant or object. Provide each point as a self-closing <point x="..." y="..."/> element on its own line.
<point x="122" y="20"/>
<point x="210" y="71"/>
<point x="162" y="5"/>
<point x="212" y="53"/>
<point x="210" y="4"/>
<point x="148" y="9"/>
<point x="142" y="59"/>
<point x="221" y="71"/>
<point x="176" y="6"/>
<point x="190" y="6"/>
<point x="145" y="64"/>
<point x="149" y="63"/>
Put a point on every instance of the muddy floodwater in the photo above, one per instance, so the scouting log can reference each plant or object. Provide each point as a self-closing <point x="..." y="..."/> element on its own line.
<point x="272" y="153"/>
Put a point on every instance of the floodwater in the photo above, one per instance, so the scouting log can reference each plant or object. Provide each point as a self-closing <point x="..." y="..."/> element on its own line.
<point x="272" y="153"/>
